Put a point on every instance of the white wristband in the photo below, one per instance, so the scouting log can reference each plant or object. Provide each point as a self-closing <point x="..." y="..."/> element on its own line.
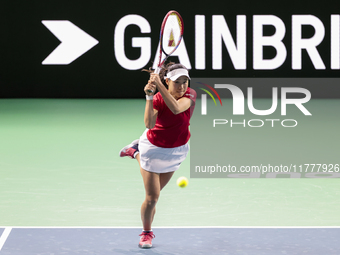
<point x="149" y="97"/>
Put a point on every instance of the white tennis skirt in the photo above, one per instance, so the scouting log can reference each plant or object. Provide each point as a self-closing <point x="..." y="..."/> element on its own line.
<point x="160" y="160"/>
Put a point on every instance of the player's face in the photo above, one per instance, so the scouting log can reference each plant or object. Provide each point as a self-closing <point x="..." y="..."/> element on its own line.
<point x="178" y="87"/>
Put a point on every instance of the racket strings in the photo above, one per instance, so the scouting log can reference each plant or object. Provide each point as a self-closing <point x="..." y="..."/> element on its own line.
<point x="172" y="34"/>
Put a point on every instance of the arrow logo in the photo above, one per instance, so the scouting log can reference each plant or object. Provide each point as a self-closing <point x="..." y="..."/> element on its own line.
<point x="74" y="42"/>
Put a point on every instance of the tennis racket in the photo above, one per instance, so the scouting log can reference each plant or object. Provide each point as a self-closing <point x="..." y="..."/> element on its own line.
<point x="170" y="37"/>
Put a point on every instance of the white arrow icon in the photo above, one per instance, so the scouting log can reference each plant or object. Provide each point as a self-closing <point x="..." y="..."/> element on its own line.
<point x="74" y="42"/>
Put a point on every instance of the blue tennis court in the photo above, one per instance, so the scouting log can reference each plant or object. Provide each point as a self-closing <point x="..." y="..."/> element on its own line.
<point x="105" y="241"/>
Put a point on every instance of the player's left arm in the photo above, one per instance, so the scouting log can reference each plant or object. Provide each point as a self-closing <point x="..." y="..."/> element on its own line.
<point x="183" y="104"/>
<point x="176" y="106"/>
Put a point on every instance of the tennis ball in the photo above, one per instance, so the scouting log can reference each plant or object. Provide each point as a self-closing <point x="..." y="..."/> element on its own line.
<point x="182" y="182"/>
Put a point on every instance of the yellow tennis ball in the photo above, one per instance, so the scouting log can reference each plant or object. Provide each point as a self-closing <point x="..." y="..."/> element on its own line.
<point x="182" y="182"/>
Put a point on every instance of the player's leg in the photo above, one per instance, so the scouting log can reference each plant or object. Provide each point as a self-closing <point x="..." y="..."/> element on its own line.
<point x="152" y="190"/>
<point x="138" y="158"/>
<point x="164" y="178"/>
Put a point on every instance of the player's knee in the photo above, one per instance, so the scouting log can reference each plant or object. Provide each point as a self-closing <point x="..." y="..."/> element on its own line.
<point x="151" y="200"/>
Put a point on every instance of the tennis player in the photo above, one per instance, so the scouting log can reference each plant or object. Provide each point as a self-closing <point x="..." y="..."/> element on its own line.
<point x="164" y="144"/>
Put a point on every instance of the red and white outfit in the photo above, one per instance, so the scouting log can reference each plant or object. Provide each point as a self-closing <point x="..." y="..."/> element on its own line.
<point x="164" y="147"/>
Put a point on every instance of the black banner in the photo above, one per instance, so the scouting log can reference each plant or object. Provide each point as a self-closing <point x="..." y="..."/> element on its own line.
<point x="97" y="49"/>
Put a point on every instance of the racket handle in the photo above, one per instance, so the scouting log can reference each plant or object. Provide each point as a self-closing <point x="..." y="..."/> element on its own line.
<point x="158" y="69"/>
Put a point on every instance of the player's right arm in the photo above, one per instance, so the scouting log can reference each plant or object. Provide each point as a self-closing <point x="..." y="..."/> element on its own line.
<point x="150" y="114"/>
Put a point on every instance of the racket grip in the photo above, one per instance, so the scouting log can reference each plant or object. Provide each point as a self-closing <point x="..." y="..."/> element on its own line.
<point x="156" y="72"/>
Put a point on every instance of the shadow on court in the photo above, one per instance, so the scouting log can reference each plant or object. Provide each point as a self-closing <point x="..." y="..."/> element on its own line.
<point x="104" y="241"/>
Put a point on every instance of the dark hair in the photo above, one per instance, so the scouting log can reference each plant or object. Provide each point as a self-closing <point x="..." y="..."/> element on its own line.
<point x="165" y="69"/>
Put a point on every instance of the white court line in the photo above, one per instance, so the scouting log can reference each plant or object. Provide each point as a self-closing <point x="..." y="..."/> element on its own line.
<point x="4" y="236"/>
<point x="111" y="227"/>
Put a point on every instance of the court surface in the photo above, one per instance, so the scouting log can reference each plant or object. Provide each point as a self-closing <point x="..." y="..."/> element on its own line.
<point x="60" y="175"/>
<point x="168" y="241"/>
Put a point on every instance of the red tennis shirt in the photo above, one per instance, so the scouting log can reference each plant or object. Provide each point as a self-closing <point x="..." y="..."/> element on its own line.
<point x="171" y="130"/>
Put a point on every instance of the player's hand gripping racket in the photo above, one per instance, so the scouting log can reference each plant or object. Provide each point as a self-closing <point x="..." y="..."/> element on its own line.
<point x="170" y="37"/>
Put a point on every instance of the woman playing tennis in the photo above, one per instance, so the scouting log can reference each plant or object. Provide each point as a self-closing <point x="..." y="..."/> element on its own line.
<point x="164" y="144"/>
